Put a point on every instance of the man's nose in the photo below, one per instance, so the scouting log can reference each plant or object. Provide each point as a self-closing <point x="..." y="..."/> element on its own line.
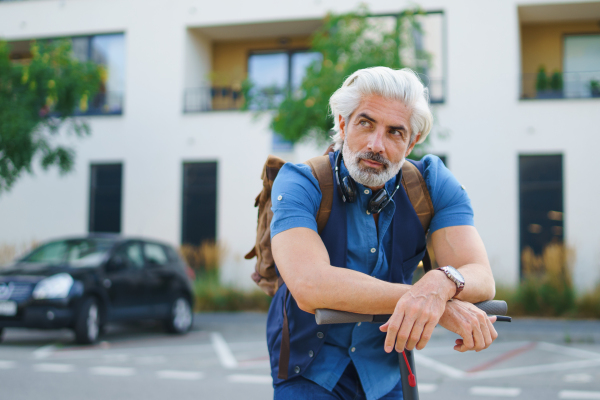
<point x="376" y="141"/>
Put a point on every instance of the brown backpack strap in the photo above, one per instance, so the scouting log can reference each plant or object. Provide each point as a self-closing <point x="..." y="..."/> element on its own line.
<point x="419" y="197"/>
<point x="284" y="351"/>
<point x="321" y="169"/>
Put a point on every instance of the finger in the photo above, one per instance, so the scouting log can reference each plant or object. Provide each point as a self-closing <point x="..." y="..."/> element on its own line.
<point x="414" y="336"/>
<point x="493" y="318"/>
<point x="426" y="335"/>
<point x="393" y="326"/>
<point x="477" y="335"/>
<point x="467" y="335"/>
<point x="404" y="333"/>
<point x="484" y="323"/>
<point x="492" y="329"/>
<point x="384" y="327"/>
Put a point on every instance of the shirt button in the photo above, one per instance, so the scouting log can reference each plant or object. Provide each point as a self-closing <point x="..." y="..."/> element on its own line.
<point x="320" y="335"/>
<point x="311" y="353"/>
<point x="279" y="197"/>
<point x="297" y="369"/>
<point x="368" y="213"/>
<point x="353" y="349"/>
<point x="373" y="250"/>
<point x="366" y="191"/>
<point x="359" y="324"/>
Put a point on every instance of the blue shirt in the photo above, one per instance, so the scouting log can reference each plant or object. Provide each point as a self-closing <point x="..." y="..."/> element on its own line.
<point x="296" y="198"/>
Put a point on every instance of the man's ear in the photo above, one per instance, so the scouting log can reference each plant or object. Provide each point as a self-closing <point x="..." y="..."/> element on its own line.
<point x="342" y="123"/>
<point x="412" y="145"/>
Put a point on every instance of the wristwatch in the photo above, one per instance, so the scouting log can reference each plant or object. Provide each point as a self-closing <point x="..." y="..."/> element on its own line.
<point x="455" y="276"/>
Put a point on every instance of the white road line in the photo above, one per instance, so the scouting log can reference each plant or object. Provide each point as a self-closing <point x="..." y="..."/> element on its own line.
<point x="495" y="391"/>
<point x="576" y="394"/>
<point x="568" y="351"/>
<point x="534" y="369"/>
<point x="60" y="368"/>
<point x="223" y="351"/>
<point x="425" y="361"/>
<point x="181" y="375"/>
<point x="579" y="378"/>
<point x="44" y="351"/>
<point x="112" y="371"/>
<point x="7" y="364"/>
<point x="427" y="387"/>
<point x="260" y="379"/>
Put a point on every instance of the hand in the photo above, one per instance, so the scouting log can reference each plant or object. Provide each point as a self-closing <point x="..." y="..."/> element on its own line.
<point x="418" y="312"/>
<point x="471" y="323"/>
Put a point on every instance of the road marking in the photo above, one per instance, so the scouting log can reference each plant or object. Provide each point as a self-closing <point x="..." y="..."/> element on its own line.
<point x="534" y="369"/>
<point x="223" y="351"/>
<point x="7" y="364"/>
<point x="567" y="351"/>
<point x="503" y="357"/>
<point x="60" y="368"/>
<point x="182" y="375"/>
<point x="427" y="387"/>
<point x="580" y="378"/>
<point x="495" y="391"/>
<point x="452" y="372"/>
<point x="44" y="351"/>
<point x="112" y="371"/>
<point x="576" y="394"/>
<point x="240" y="378"/>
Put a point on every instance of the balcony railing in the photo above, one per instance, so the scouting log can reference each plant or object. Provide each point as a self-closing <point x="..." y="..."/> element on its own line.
<point x="108" y="103"/>
<point x="215" y="98"/>
<point x="569" y="85"/>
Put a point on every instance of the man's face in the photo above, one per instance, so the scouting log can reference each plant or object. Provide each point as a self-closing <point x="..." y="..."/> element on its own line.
<point x="376" y="140"/>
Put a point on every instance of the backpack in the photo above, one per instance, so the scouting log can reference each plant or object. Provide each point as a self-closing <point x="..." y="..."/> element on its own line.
<point x="265" y="275"/>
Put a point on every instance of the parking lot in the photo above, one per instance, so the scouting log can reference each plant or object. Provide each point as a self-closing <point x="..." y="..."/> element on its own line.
<point x="225" y="357"/>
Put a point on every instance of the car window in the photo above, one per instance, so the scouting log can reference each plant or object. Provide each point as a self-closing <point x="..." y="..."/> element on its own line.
<point x="155" y="254"/>
<point x="75" y="252"/>
<point x="131" y="253"/>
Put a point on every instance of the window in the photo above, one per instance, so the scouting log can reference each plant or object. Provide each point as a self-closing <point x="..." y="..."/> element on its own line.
<point x="273" y="73"/>
<point x="131" y="254"/>
<point x="581" y="66"/>
<point x="105" y="198"/>
<point x="540" y="201"/>
<point x="155" y="254"/>
<point x="199" y="211"/>
<point x="107" y="51"/>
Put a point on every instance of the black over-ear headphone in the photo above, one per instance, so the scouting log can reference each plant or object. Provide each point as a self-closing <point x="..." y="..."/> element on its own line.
<point x="347" y="189"/>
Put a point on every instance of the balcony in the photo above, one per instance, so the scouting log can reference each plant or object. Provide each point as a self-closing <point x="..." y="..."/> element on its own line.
<point x="560" y="51"/>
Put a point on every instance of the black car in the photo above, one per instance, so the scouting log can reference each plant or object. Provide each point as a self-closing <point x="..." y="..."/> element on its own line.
<point x="82" y="283"/>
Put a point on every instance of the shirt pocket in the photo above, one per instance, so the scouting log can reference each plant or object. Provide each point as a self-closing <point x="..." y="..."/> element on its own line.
<point x="409" y="266"/>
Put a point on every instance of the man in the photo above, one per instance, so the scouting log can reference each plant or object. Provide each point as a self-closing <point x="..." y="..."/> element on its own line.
<point x="363" y="261"/>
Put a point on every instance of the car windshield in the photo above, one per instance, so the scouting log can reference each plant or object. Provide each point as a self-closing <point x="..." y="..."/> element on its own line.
<point x="76" y="252"/>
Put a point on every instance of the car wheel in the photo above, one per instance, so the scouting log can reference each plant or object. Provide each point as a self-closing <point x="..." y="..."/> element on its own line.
<point x="181" y="317"/>
<point x="87" y="324"/>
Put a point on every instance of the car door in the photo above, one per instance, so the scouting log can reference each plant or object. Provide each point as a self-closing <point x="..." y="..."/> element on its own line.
<point x="124" y="282"/>
<point x="158" y="279"/>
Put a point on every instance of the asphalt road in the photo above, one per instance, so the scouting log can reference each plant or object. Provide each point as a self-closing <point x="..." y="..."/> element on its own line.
<point x="225" y="357"/>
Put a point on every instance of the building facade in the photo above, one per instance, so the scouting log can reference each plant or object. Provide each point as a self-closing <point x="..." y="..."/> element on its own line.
<point x="172" y="157"/>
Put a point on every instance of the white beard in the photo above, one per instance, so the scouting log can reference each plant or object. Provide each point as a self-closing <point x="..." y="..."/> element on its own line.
<point x="370" y="177"/>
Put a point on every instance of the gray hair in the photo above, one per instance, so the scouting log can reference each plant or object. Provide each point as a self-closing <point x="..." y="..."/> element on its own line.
<point x="403" y="85"/>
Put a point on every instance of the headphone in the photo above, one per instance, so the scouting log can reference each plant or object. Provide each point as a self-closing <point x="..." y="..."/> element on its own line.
<point x="347" y="188"/>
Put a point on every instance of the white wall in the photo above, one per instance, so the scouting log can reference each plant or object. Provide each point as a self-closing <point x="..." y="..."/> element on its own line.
<point x="489" y="127"/>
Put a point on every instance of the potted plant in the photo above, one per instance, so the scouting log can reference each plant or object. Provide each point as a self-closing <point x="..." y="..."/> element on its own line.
<point x="595" y="88"/>
<point x="549" y="88"/>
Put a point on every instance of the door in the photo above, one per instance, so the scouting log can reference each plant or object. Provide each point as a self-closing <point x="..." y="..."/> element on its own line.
<point x="159" y="276"/>
<point x="124" y="282"/>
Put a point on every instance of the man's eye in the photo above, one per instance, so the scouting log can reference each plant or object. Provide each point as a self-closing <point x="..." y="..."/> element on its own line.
<point x="364" y="123"/>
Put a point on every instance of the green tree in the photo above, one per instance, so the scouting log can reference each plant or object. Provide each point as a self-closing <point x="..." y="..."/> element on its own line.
<point x="38" y="98"/>
<point x="347" y="42"/>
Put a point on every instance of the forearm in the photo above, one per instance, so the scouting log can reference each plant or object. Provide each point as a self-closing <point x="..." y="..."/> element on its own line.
<point x="479" y="283"/>
<point x="347" y="290"/>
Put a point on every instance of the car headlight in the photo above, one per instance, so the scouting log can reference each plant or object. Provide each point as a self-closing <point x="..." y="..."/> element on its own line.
<point x="54" y="287"/>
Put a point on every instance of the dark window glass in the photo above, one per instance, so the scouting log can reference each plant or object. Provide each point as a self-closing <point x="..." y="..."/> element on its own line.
<point x="541" y="201"/>
<point x="199" y="219"/>
<point x="77" y="252"/>
<point x="105" y="198"/>
<point x="131" y="254"/>
<point x="155" y="254"/>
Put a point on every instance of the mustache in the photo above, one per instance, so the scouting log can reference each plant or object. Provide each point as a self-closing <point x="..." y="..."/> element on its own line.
<point x="369" y="155"/>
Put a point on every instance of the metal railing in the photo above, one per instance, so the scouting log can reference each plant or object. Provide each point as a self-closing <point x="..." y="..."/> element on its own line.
<point x="566" y="85"/>
<point x="212" y="98"/>
<point x="107" y="103"/>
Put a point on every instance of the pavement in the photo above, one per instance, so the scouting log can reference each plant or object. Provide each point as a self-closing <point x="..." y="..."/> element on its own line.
<point x="225" y="357"/>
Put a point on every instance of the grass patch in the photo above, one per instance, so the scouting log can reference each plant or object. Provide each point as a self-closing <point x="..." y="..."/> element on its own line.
<point x="211" y="295"/>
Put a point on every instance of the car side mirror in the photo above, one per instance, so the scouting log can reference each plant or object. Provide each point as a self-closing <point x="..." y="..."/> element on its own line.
<point x="116" y="263"/>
